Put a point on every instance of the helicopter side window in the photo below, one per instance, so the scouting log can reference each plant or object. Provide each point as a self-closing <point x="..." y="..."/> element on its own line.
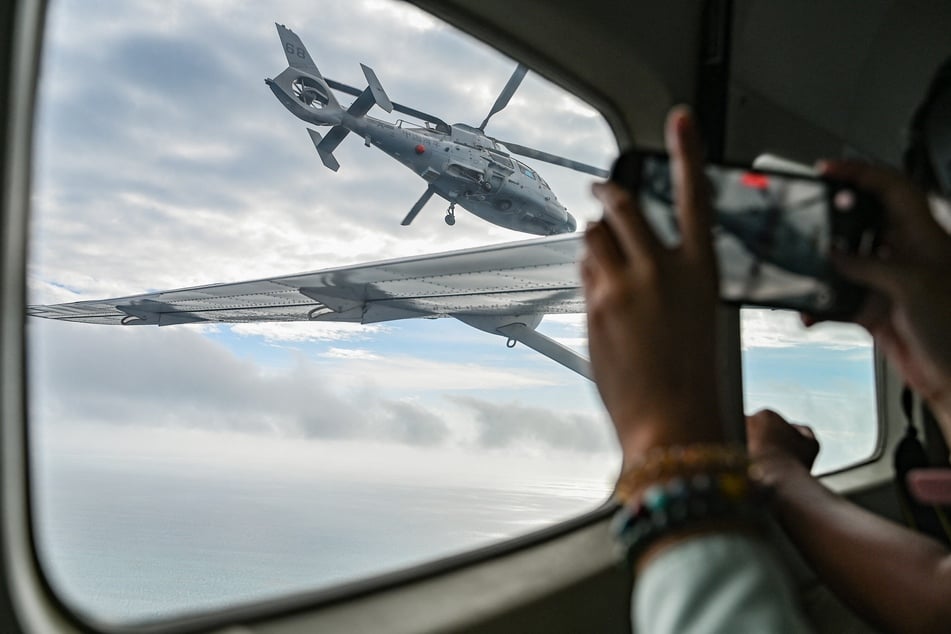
<point x="501" y="160"/>
<point x="525" y="169"/>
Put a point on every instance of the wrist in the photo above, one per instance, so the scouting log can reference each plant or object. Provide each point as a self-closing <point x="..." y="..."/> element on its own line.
<point x="778" y="472"/>
<point x="704" y="466"/>
<point x="639" y="437"/>
<point x="679" y="492"/>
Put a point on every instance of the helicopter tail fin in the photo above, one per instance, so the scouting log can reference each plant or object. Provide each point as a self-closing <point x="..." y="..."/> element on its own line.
<point x="325" y="146"/>
<point x="296" y="52"/>
<point x="372" y="95"/>
<point x="376" y="89"/>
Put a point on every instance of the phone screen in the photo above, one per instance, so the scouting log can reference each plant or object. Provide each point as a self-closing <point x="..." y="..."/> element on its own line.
<point x="773" y="233"/>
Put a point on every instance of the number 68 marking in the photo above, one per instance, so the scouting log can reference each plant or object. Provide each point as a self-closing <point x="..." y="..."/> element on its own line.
<point x="295" y="50"/>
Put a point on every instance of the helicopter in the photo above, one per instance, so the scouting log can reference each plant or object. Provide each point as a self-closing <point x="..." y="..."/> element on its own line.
<point x="459" y="162"/>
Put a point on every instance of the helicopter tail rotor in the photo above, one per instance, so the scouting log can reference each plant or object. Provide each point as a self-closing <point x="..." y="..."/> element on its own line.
<point x="312" y="83"/>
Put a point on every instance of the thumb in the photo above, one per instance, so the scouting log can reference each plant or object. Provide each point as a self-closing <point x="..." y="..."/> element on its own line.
<point x="804" y="430"/>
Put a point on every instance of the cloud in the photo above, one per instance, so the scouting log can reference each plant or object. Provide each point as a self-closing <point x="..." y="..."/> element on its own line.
<point x="177" y="377"/>
<point x="413" y="424"/>
<point x="417" y="373"/>
<point x="507" y="424"/>
<point x="308" y="331"/>
<point x="412" y="17"/>
<point x="764" y="328"/>
<point x="354" y="353"/>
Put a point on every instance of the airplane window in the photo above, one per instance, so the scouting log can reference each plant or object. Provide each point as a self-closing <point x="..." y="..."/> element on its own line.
<point x="823" y="377"/>
<point x="209" y="463"/>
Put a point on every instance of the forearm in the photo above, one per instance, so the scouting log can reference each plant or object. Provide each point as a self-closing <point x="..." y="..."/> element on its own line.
<point x="895" y="578"/>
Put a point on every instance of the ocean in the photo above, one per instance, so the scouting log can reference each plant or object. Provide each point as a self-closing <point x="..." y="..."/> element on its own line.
<point x="126" y="543"/>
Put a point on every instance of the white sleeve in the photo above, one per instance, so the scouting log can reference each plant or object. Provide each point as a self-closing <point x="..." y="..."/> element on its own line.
<point x="722" y="582"/>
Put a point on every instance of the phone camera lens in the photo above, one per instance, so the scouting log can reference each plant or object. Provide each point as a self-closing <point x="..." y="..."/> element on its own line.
<point x="824" y="298"/>
<point x="844" y="200"/>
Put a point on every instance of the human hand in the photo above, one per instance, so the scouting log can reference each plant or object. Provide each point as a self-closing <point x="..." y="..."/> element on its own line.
<point x="652" y="309"/>
<point x="769" y="437"/>
<point x="910" y="309"/>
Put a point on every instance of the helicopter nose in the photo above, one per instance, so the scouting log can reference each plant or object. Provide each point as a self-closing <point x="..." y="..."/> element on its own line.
<point x="571" y="223"/>
<point x="558" y="217"/>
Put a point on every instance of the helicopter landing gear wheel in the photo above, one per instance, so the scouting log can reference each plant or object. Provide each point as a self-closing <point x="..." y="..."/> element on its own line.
<point x="451" y="215"/>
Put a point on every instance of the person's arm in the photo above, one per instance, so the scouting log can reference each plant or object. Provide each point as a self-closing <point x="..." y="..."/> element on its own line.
<point x="892" y="576"/>
<point x="651" y="329"/>
<point x="651" y="309"/>
<point x="895" y="578"/>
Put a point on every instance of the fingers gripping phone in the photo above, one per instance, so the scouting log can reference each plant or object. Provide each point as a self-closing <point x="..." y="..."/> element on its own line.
<point x="773" y="232"/>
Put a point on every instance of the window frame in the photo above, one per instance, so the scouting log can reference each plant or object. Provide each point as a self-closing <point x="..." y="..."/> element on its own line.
<point x="28" y="602"/>
<point x="34" y="603"/>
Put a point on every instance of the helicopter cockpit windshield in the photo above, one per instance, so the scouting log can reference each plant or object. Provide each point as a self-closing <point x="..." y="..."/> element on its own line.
<point x="532" y="174"/>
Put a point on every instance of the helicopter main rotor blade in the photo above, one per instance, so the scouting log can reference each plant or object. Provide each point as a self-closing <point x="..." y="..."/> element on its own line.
<point x="554" y="159"/>
<point x="413" y="112"/>
<point x="506" y="95"/>
<point x="418" y="206"/>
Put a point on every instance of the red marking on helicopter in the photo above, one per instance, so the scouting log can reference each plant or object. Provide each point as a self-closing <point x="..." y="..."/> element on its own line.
<point x="755" y="181"/>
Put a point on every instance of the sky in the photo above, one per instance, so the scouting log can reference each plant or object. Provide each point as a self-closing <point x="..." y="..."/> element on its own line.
<point x="163" y="161"/>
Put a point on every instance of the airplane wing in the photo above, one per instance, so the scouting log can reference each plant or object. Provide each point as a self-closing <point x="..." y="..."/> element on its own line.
<point x="504" y="289"/>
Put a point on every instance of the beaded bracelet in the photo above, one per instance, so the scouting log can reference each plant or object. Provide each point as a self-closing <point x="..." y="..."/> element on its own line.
<point x="684" y="496"/>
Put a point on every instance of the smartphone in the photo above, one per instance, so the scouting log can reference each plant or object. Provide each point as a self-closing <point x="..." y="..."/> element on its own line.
<point x="773" y="231"/>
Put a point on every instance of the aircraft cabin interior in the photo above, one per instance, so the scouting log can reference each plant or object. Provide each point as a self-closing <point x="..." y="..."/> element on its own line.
<point x="396" y="474"/>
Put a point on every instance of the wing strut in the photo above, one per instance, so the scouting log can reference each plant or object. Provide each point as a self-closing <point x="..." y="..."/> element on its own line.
<point x="522" y="328"/>
<point x="547" y="346"/>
